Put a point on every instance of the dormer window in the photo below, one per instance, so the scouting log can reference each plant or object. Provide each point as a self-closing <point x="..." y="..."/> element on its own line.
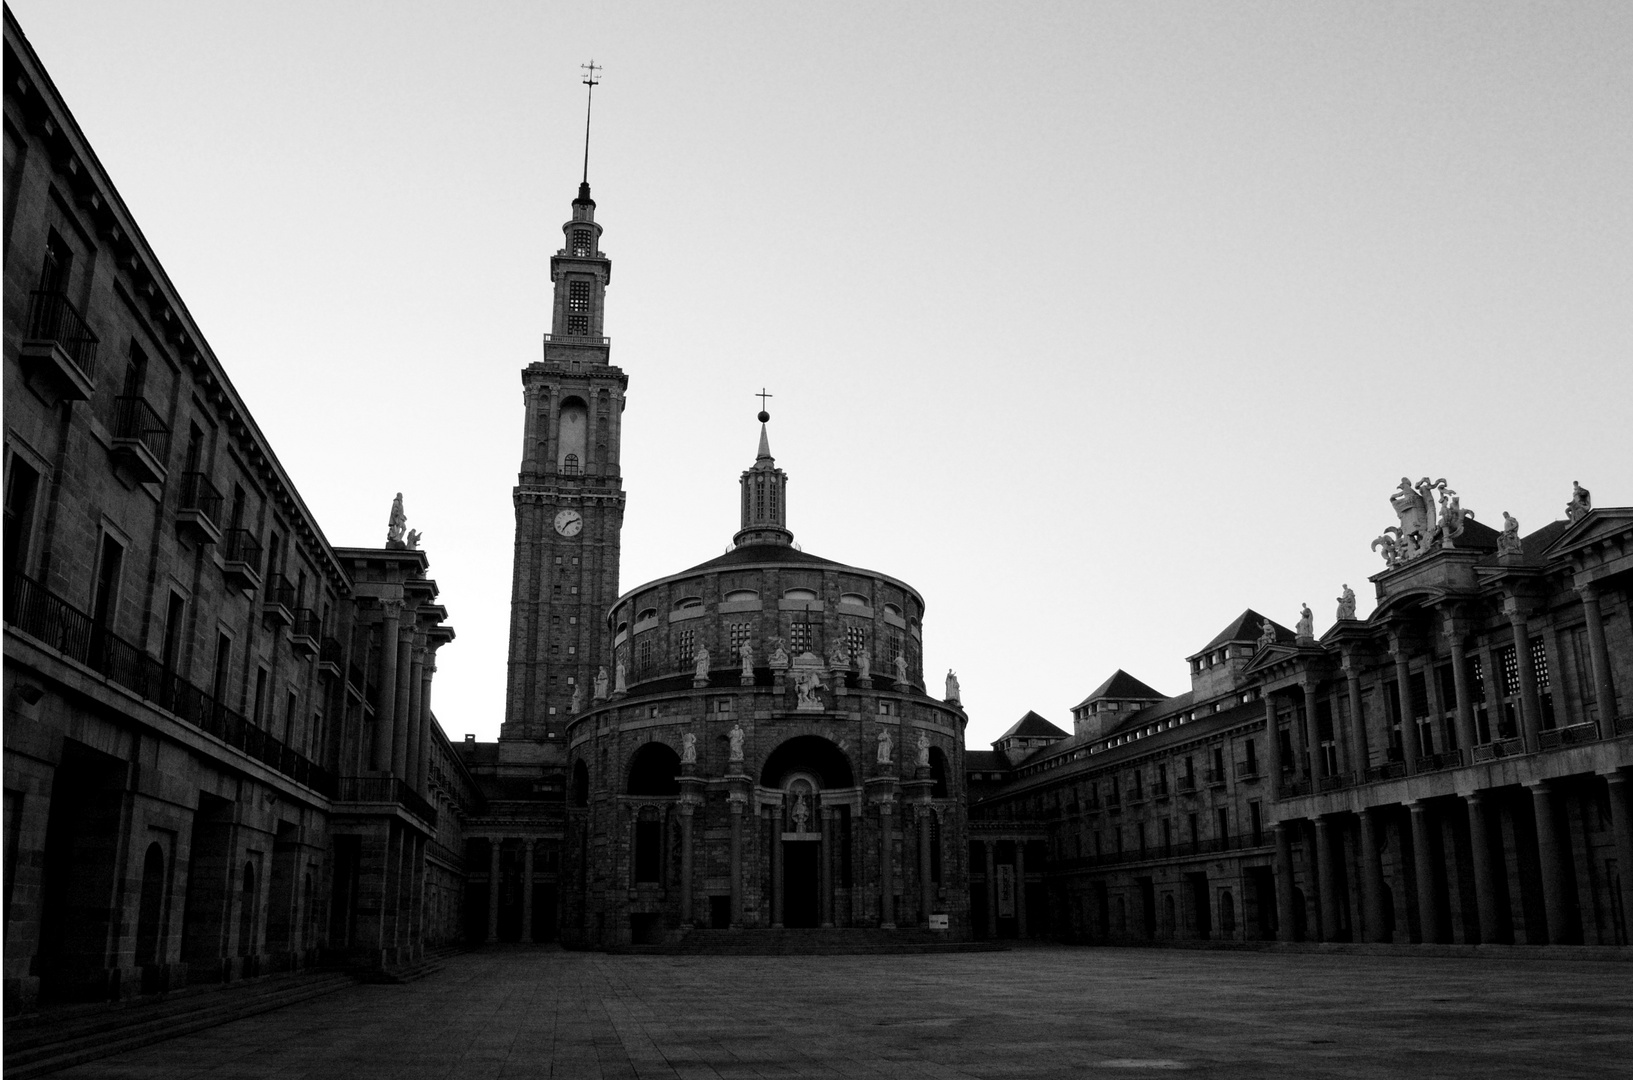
<point x="583" y="246"/>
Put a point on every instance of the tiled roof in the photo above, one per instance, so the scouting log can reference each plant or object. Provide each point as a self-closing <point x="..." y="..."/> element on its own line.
<point x="757" y="554"/>
<point x="983" y="761"/>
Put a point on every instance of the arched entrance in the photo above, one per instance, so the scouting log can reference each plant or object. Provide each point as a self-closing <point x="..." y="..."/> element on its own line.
<point x="802" y="840"/>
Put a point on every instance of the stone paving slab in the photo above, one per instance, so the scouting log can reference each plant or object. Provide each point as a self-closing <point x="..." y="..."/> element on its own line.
<point x="1032" y="1012"/>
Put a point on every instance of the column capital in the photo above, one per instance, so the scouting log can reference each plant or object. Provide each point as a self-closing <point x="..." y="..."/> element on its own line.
<point x="1615" y="776"/>
<point x="1417" y="806"/>
<point x="1474" y="798"/>
<point x="1540" y="787"/>
<point x="1589" y="590"/>
<point x="391" y="608"/>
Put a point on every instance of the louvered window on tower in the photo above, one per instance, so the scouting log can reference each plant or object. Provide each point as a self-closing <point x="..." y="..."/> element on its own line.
<point x="582" y="248"/>
<point x="578" y="296"/>
<point x="578" y="326"/>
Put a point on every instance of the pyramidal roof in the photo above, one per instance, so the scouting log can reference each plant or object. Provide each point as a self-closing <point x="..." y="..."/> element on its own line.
<point x="1033" y="726"/>
<point x="1122" y="686"/>
<point x="1246" y="627"/>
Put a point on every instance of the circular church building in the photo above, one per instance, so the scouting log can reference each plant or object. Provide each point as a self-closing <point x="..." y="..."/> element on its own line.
<point x="763" y="754"/>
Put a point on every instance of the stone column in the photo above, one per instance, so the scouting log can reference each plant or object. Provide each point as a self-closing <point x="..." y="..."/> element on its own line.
<point x="1604" y="694"/>
<point x="736" y="861"/>
<point x="1313" y="737"/>
<point x="1621" y="823"/>
<point x="825" y="859"/>
<point x="493" y="889"/>
<point x="992" y="890"/>
<point x="411" y="720"/>
<point x="1423" y="864"/>
<point x="1460" y="683"/>
<point x="1485" y="881"/>
<point x="422" y="767"/>
<point x="927" y="887"/>
<point x="1273" y="736"/>
<point x="775" y="814"/>
<point x="530" y="437"/>
<point x="1359" y="757"/>
<point x="385" y="709"/>
<point x="1403" y="695"/>
<point x="1530" y="704"/>
<point x="527" y="889"/>
<point x="686" y="810"/>
<point x="1301" y="745"/>
<point x="399" y="738"/>
<point x="1020" y="888"/>
<point x="1372" y="879"/>
<point x="887" y="883"/>
<point x="1328" y="885"/>
<point x="1284" y="882"/>
<point x="1553" y="866"/>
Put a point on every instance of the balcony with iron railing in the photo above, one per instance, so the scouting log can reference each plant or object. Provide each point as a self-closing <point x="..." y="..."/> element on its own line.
<point x="1247" y="770"/>
<point x="34" y="610"/>
<point x="278" y="601"/>
<point x="141" y="438"/>
<point x="1244" y="843"/>
<point x="1216" y="777"/>
<point x="58" y="352"/>
<point x="360" y="794"/>
<point x="331" y="655"/>
<point x="240" y="555"/>
<point x="304" y="631"/>
<point x="199" y="512"/>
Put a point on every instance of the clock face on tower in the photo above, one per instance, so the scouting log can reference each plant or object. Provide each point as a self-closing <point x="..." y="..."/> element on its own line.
<point x="569" y="523"/>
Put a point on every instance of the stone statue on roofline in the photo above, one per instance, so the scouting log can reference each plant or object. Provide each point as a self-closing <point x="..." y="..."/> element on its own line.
<point x="952" y="686"/>
<point x="1581" y="502"/>
<point x="1306" y="624"/>
<point x="399" y="523"/>
<point x="1508" y="541"/>
<point x="413" y="539"/>
<point x="1346" y="604"/>
<point x="1267" y="633"/>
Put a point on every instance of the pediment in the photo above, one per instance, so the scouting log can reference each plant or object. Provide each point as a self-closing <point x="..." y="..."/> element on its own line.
<point x="1591" y="529"/>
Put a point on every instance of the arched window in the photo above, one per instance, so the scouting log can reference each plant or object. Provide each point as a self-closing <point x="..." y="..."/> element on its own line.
<point x="938" y="773"/>
<point x="569" y="465"/>
<point x="572" y="434"/>
<point x="150" y="913"/>
<point x="653" y="770"/>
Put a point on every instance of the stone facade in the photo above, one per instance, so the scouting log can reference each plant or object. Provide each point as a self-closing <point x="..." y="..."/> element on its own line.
<point x="220" y="758"/>
<point x="1454" y="768"/>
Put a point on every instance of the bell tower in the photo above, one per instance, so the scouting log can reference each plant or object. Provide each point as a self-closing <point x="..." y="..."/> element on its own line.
<point x="569" y="495"/>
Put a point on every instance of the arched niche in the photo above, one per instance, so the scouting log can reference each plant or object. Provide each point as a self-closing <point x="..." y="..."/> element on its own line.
<point x="572" y="432"/>
<point x="810" y="754"/>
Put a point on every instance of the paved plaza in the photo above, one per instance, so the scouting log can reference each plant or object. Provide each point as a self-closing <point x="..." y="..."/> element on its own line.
<point x="1032" y="1012"/>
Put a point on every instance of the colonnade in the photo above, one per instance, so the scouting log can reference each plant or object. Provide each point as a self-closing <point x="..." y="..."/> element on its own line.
<point x="1442" y="847"/>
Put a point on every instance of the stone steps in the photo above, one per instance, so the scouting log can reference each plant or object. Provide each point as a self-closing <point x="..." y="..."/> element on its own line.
<point x="830" y="941"/>
<point x="47" y="1042"/>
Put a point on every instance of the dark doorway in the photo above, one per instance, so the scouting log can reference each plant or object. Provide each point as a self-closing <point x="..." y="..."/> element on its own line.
<point x="77" y="895"/>
<point x="800" y="884"/>
<point x="544" y="911"/>
<point x="720" y="912"/>
<point x="1199" y="902"/>
<point x="1262" y="888"/>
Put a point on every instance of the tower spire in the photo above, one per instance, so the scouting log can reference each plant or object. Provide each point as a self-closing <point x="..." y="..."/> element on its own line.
<point x="590" y="80"/>
<point x="765" y="493"/>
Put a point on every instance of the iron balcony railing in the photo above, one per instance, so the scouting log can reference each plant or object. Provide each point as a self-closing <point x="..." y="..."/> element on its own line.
<point x="279" y="590"/>
<point x="134" y="419"/>
<point x="386" y="789"/>
<point x="1554" y="738"/>
<point x="197" y="493"/>
<point x="52" y="318"/>
<point x="240" y="545"/>
<point x="1178" y="850"/>
<point x="36" y="611"/>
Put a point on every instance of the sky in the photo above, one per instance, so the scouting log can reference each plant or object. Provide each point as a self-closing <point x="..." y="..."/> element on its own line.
<point x="1096" y="323"/>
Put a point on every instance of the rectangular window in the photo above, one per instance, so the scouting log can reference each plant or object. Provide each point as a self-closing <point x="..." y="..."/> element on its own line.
<point x="856" y="640"/>
<point x="1545" y="693"/>
<point x="1252" y="758"/>
<point x="260" y="696"/>
<point x="22" y="491"/>
<point x="685" y="647"/>
<point x="799" y="637"/>
<point x="578" y="326"/>
<point x="578" y="296"/>
<point x="172" y="633"/>
<point x="583" y="247"/>
<point x="291" y="711"/>
<point x="738" y="633"/>
<point x="1224" y="827"/>
<point x="1256" y="822"/>
<point x="223" y="662"/>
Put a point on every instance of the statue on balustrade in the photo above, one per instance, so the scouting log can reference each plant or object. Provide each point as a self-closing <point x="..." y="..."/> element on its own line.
<point x="1581" y="502"/>
<point x="398" y="523"/>
<point x="1346" y="604"/>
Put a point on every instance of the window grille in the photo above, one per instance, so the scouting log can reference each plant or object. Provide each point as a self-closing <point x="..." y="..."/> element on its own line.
<point x="578" y="326"/>
<point x="583" y="248"/>
<point x="737" y="633"/>
<point x="856" y="640"/>
<point x="569" y="465"/>
<point x="685" y="647"/>
<point x="578" y="296"/>
<point x="799" y="637"/>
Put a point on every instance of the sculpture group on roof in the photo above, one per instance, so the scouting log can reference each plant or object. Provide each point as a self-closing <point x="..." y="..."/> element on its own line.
<point x="1423" y="525"/>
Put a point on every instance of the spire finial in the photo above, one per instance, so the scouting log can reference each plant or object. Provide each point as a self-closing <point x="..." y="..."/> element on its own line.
<point x="762" y="395"/>
<point x="590" y="79"/>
